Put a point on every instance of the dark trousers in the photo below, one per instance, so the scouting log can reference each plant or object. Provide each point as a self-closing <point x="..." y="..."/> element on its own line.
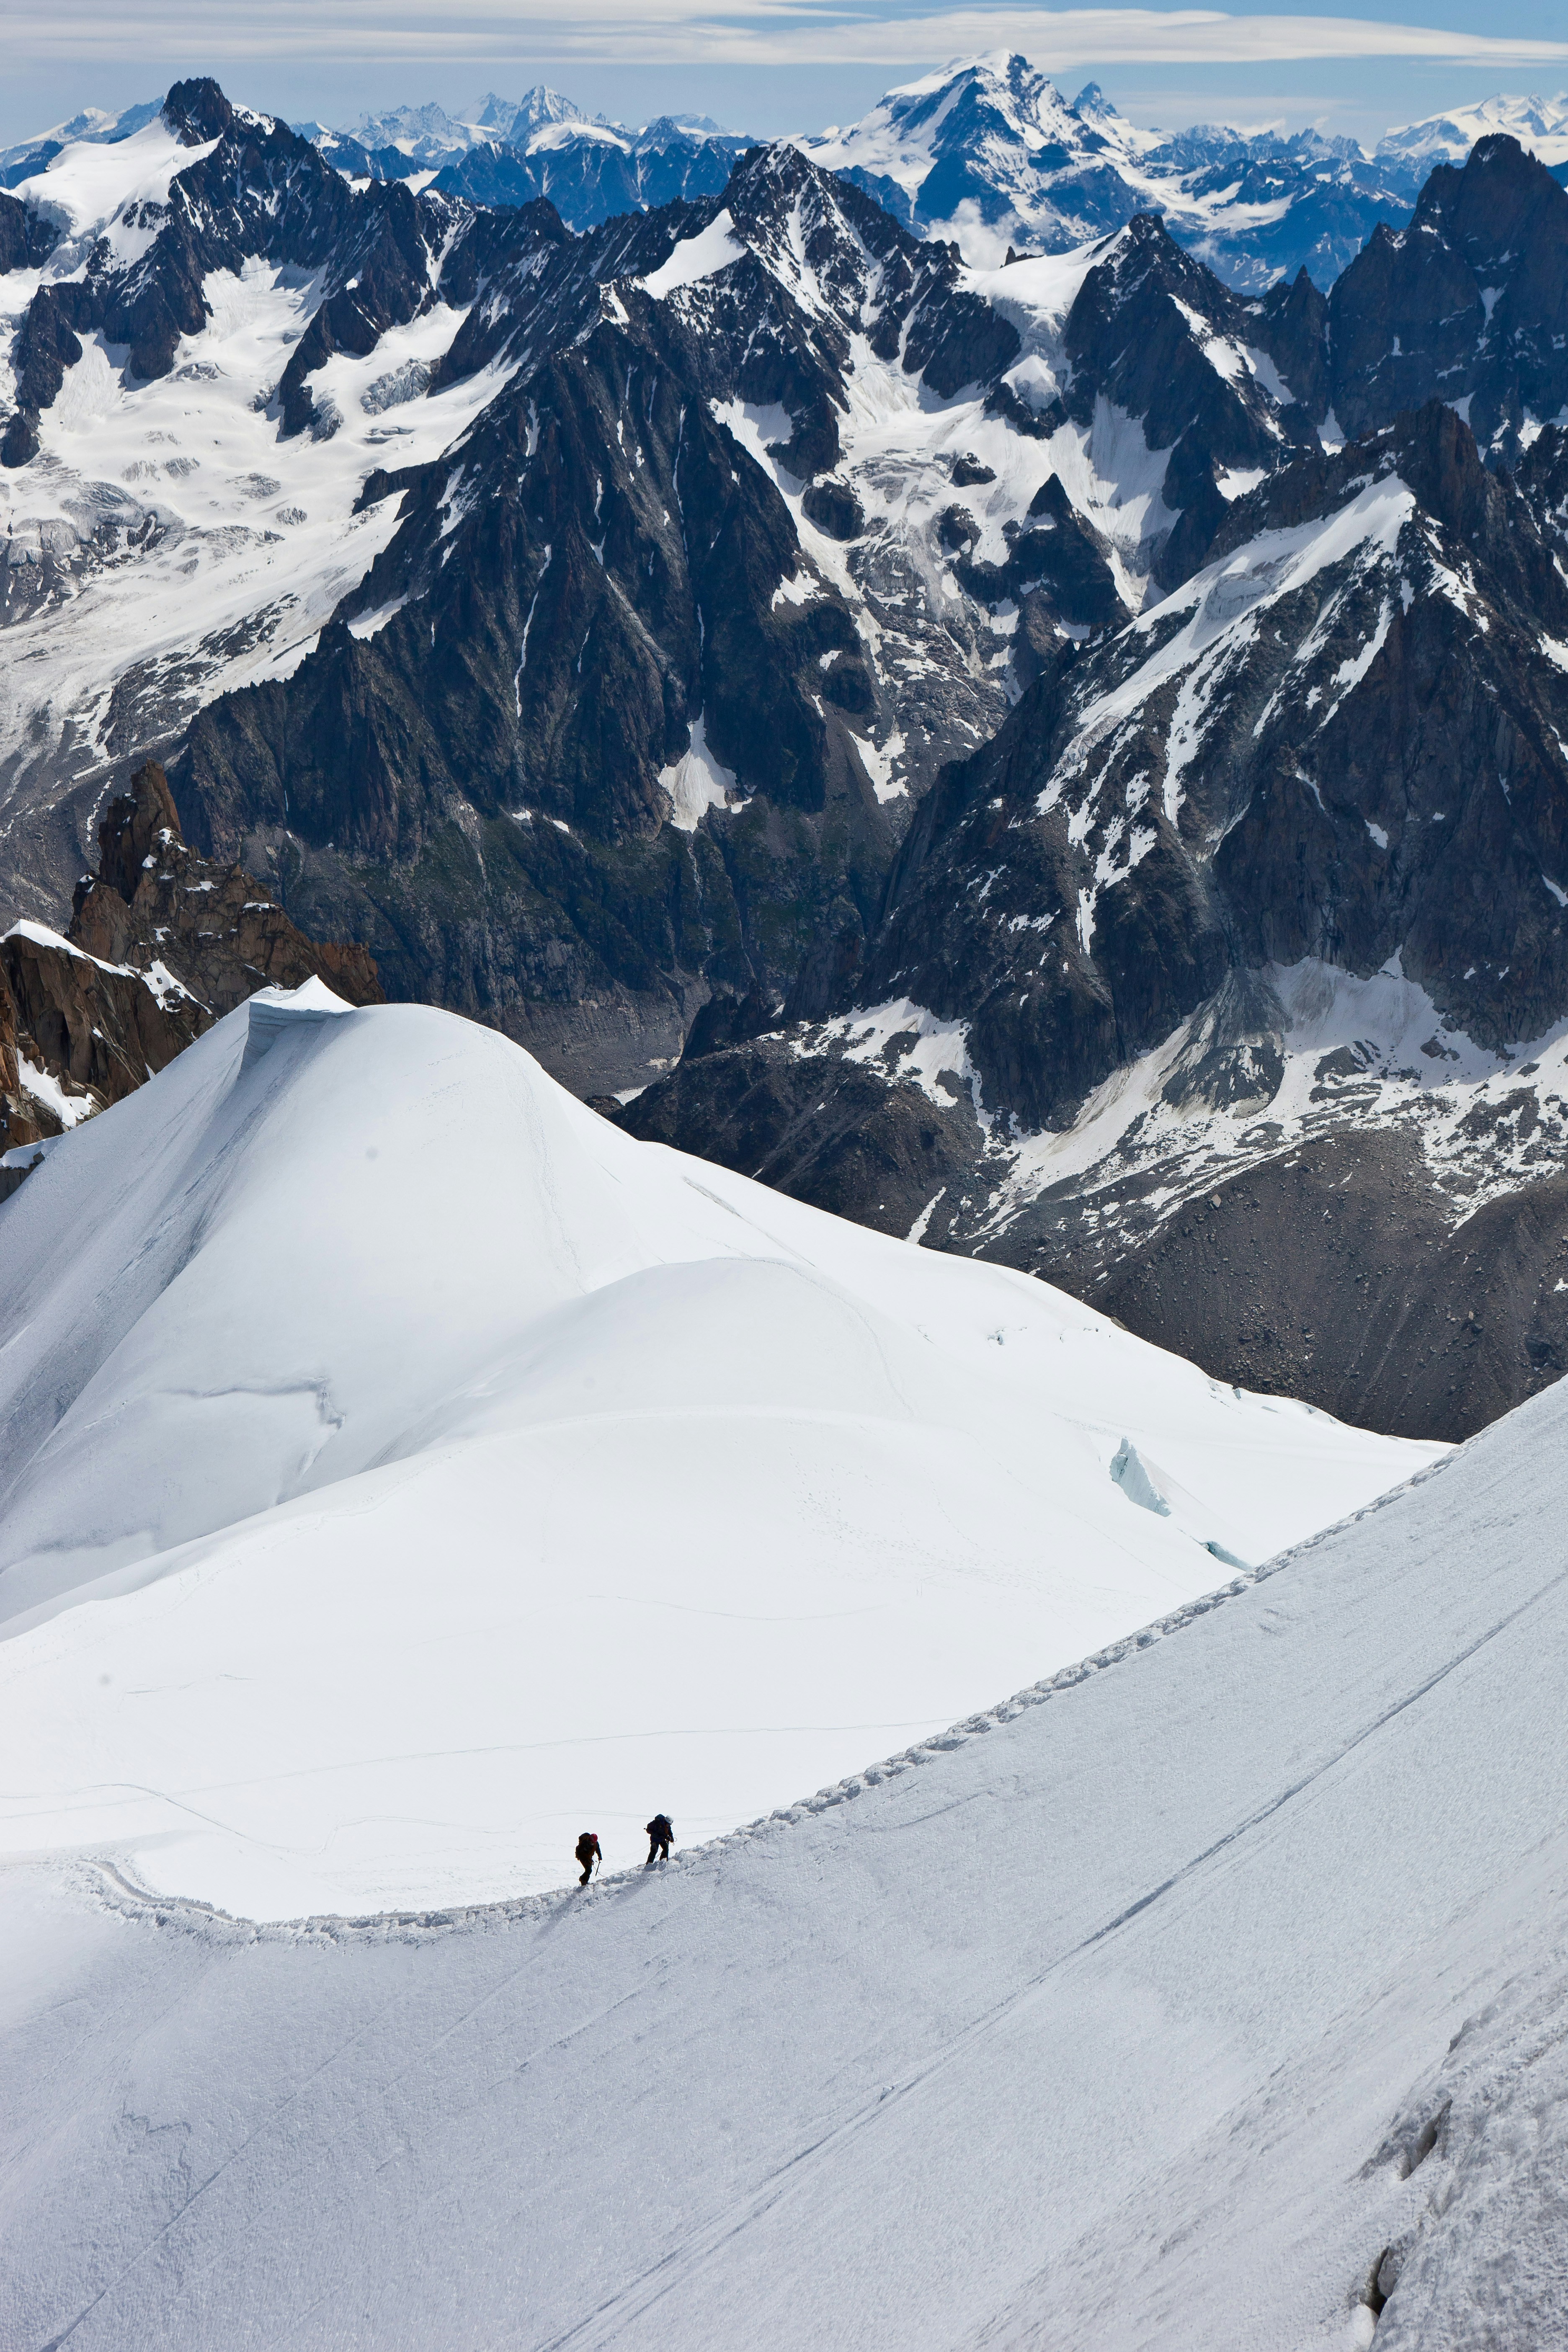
<point x="587" y="1873"/>
<point x="658" y="1851"/>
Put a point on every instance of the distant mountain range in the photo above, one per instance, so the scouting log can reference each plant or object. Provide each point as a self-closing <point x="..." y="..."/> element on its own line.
<point x="514" y="151"/>
<point x="986" y="153"/>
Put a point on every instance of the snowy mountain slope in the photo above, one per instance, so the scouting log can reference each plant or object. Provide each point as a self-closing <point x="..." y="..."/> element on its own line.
<point x="1208" y="1997"/>
<point x="427" y="1464"/>
<point x="92" y="124"/>
<point x="987" y="150"/>
<point x="1211" y="896"/>
<point x="1538" y="124"/>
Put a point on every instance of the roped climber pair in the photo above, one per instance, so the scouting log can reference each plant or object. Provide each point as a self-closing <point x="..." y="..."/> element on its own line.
<point x="661" y="1834"/>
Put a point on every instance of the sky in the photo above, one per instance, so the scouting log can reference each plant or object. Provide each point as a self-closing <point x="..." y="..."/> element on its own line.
<point x="771" y="66"/>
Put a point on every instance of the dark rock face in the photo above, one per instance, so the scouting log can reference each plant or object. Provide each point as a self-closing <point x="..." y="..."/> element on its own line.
<point x="613" y="722"/>
<point x="1259" y="844"/>
<point x="155" y="901"/>
<point x="604" y="576"/>
<point x="161" y="945"/>
<point x="94" y="1032"/>
<point x="1468" y="304"/>
<point x="1541" y="477"/>
<point x="23" y="1119"/>
<point x="1058" y="569"/>
<point x="25" y="237"/>
<point x="1336" y="1274"/>
<point x="477" y="788"/>
<point x="1290" y="324"/>
<point x="1343" y="752"/>
<point x="848" y="1135"/>
<point x="481" y="789"/>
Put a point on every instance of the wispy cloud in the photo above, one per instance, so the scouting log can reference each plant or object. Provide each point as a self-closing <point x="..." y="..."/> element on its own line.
<point x="724" y="32"/>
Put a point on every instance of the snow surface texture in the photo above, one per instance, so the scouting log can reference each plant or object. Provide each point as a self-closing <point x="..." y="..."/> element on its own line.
<point x="406" y="1470"/>
<point x="1167" y="2006"/>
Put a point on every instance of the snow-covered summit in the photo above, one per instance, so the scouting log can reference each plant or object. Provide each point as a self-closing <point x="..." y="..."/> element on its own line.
<point x="515" y="119"/>
<point x="988" y="152"/>
<point x="1540" y="124"/>
<point x="973" y="147"/>
<point x="454" y="1466"/>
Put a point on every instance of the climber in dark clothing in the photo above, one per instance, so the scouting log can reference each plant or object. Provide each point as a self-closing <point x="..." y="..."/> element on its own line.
<point x="660" y="1830"/>
<point x="588" y="1853"/>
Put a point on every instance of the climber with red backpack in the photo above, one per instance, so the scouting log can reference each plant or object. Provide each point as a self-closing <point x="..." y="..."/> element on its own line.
<point x="588" y="1853"/>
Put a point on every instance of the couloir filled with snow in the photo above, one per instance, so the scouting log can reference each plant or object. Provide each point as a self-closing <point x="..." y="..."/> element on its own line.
<point x="405" y="1470"/>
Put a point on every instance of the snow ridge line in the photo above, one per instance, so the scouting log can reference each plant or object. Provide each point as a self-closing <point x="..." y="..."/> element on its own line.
<point x="109" y="1884"/>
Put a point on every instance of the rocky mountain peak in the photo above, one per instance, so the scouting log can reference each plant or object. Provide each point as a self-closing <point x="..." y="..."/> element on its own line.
<point x="1468" y="304"/>
<point x="515" y="120"/>
<point x="155" y="904"/>
<point x="135" y="824"/>
<point x="197" y="112"/>
<point x="1328" y="765"/>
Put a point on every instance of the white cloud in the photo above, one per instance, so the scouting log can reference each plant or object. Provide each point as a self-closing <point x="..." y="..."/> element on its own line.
<point x="723" y="32"/>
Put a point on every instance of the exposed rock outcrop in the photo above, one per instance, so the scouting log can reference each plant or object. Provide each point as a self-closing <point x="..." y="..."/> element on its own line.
<point x="155" y="904"/>
<point x="1468" y="304"/>
<point x="160" y="944"/>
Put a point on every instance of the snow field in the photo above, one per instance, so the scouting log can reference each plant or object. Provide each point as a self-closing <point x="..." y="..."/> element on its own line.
<point x="253" y="540"/>
<point x="1158" y="2010"/>
<point x="409" y="1471"/>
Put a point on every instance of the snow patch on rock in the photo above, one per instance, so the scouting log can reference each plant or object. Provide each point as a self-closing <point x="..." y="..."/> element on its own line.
<point x="696" y="783"/>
